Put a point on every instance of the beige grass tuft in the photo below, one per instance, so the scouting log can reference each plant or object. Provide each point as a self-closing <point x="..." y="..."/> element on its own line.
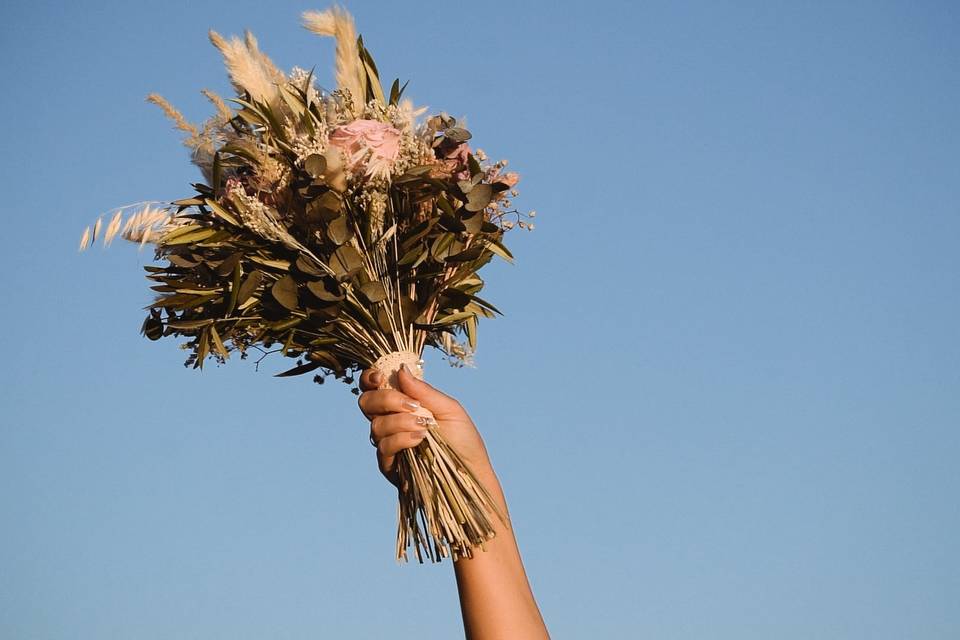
<point x="171" y="112"/>
<point x="112" y="229"/>
<point x="338" y="23"/>
<point x="246" y="69"/>
<point x="223" y="109"/>
<point x="85" y="239"/>
<point x="266" y="63"/>
<point x="143" y="226"/>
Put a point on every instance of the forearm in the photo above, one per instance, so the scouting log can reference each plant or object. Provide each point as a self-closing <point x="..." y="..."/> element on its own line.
<point x="495" y="595"/>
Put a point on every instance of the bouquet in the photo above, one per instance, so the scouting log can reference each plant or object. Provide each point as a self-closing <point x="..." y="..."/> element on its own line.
<point x="344" y="229"/>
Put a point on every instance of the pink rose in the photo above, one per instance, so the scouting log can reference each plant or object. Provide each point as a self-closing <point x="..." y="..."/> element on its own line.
<point x="361" y="137"/>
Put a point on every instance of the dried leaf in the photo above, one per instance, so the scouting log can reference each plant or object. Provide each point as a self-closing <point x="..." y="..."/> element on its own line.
<point x="374" y="291"/>
<point x="249" y="286"/>
<point x="284" y="291"/>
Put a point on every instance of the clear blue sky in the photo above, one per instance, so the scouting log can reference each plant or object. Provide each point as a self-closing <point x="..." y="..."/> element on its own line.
<point x="724" y="400"/>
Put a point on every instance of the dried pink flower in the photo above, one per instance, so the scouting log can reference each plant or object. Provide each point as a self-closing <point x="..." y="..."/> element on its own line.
<point x="456" y="160"/>
<point x="511" y="178"/>
<point x="376" y="143"/>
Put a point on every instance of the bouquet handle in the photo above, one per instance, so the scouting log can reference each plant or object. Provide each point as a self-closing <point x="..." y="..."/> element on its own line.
<point x="443" y="509"/>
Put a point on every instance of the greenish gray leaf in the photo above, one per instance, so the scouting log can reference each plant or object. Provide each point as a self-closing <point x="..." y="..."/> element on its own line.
<point x="339" y="230"/>
<point x="479" y="197"/>
<point x="374" y="291"/>
<point x="284" y="291"/>
<point x="250" y="284"/>
<point x="346" y="260"/>
<point x="315" y="165"/>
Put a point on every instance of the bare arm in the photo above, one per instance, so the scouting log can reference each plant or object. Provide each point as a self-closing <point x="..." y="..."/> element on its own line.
<point x="495" y="596"/>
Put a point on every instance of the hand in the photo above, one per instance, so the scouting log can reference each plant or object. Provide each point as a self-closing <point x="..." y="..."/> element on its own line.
<point x="394" y="427"/>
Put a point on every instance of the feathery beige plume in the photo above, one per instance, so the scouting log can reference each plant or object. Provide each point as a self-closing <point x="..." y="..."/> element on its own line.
<point x="142" y="225"/>
<point x="139" y="227"/>
<point x="271" y="69"/>
<point x="223" y="110"/>
<point x="409" y="113"/>
<point x="246" y="70"/>
<point x="112" y="229"/>
<point x="338" y="23"/>
<point x="171" y="112"/>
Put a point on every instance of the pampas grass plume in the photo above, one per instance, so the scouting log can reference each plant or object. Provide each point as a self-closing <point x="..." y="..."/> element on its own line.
<point x="338" y="23"/>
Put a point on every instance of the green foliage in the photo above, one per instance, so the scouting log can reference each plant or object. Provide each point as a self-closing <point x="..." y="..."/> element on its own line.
<point x="307" y="266"/>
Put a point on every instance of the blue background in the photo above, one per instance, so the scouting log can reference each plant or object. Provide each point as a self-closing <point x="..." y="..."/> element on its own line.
<point x="724" y="399"/>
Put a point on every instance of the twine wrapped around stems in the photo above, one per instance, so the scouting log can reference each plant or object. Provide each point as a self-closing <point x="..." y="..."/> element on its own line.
<point x="443" y="509"/>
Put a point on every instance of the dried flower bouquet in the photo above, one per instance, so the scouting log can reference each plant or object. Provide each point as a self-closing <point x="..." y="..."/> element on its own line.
<point x="341" y="229"/>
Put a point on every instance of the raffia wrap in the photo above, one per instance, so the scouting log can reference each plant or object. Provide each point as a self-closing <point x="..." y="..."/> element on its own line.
<point x="390" y="365"/>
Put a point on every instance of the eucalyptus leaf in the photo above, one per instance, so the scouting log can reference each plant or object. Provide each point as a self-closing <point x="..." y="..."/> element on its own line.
<point x="152" y="328"/>
<point x="226" y="267"/>
<point x="479" y="197"/>
<point x="374" y="291"/>
<point x="306" y="265"/>
<point x="457" y="134"/>
<point x="284" y="291"/>
<point x="346" y="260"/>
<point x="315" y="165"/>
<point x="339" y="230"/>
<point x="473" y="223"/>
<point x="323" y="292"/>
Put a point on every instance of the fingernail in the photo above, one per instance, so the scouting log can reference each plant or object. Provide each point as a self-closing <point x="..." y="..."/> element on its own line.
<point x="411" y="405"/>
<point x="420" y="435"/>
<point x="377" y="378"/>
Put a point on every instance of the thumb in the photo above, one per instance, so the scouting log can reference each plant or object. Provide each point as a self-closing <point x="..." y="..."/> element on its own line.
<point x="439" y="403"/>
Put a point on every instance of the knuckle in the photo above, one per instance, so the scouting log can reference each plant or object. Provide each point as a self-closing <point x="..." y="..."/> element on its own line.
<point x="366" y="380"/>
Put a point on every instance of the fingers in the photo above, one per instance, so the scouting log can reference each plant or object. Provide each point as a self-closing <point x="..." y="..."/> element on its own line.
<point x="392" y="445"/>
<point x="375" y="401"/>
<point x="370" y="379"/>
<point x="438" y="402"/>
<point x="382" y="401"/>
<point x="396" y="423"/>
